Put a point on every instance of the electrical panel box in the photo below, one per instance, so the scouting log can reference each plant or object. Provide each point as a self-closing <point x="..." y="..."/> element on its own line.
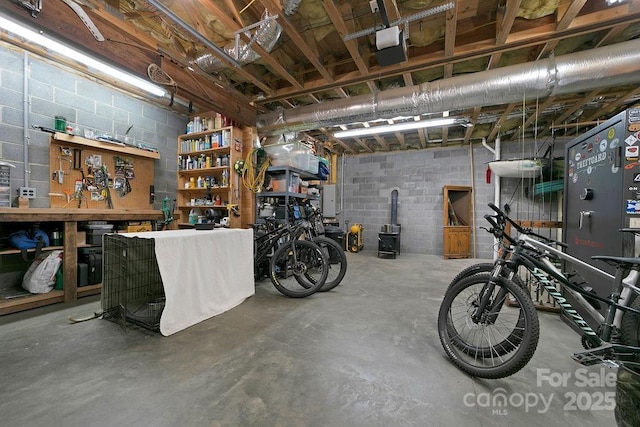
<point x="329" y="200"/>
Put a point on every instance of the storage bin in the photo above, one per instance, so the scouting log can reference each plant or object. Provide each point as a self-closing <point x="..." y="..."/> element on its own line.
<point x="279" y="183"/>
<point x="292" y="154"/>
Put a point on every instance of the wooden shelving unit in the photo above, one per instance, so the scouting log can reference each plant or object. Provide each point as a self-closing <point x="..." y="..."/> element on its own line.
<point x="220" y="181"/>
<point x="69" y="218"/>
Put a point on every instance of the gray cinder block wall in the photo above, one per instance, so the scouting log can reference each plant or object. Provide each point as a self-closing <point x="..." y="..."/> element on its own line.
<point x="55" y="90"/>
<point x="419" y="176"/>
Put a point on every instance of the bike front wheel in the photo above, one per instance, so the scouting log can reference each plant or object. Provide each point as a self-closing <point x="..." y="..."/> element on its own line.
<point x="497" y="343"/>
<point x="296" y="262"/>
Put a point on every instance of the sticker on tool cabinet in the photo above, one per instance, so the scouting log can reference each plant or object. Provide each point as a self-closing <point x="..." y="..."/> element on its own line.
<point x="631" y="140"/>
<point x="603" y="145"/>
<point x="611" y="133"/>
<point x="634" y="115"/>
<point x="636" y="177"/>
<point x="631" y="152"/>
<point x="633" y="207"/>
<point x="634" y="127"/>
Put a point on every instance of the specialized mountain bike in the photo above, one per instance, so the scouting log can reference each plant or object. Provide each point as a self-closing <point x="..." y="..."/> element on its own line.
<point x="488" y="325"/>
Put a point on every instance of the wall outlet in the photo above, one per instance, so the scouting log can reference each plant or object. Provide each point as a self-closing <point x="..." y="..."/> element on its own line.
<point x="27" y="192"/>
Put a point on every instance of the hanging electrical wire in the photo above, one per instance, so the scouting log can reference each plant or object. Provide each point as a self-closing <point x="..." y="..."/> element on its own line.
<point x="255" y="169"/>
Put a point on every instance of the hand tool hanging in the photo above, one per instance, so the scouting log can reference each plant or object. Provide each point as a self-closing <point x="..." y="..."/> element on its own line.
<point x="101" y="178"/>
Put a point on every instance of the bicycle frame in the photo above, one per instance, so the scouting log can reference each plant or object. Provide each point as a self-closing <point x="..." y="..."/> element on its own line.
<point x="545" y="272"/>
<point x="265" y="243"/>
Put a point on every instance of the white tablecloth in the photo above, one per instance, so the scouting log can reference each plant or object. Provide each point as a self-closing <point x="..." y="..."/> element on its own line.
<point x="204" y="273"/>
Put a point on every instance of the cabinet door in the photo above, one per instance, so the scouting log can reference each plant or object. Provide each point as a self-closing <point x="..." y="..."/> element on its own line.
<point x="457" y="242"/>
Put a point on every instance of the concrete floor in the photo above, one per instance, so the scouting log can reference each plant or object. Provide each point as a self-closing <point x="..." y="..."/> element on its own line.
<point x="365" y="354"/>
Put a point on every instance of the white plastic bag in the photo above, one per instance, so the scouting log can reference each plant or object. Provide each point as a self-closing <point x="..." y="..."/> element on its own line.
<point x="41" y="275"/>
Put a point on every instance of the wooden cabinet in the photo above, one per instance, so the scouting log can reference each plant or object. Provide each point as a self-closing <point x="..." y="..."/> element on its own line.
<point x="68" y="220"/>
<point x="457" y="221"/>
<point x="206" y="177"/>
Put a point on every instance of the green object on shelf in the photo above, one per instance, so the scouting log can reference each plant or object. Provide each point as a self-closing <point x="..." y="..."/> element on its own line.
<point x="59" y="283"/>
<point x="548" y="187"/>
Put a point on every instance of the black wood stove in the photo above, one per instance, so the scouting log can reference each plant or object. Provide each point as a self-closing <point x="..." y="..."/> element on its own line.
<point x="389" y="236"/>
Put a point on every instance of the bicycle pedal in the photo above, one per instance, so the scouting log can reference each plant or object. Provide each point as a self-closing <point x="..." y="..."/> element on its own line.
<point x="592" y="356"/>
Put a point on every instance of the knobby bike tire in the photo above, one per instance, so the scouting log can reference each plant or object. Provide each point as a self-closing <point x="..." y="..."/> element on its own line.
<point x="293" y="260"/>
<point x="478" y="348"/>
<point x="515" y="337"/>
<point x="337" y="260"/>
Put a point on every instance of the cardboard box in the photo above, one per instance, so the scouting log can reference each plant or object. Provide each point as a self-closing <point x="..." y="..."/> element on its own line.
<point x="138" y="227"/>
<point x="81" y="238"/>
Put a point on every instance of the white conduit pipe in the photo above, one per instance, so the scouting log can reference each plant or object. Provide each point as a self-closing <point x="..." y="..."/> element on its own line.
<point x="25" y="118"/>
<point x="473" y="200"/>
<point x="496" y="187"/>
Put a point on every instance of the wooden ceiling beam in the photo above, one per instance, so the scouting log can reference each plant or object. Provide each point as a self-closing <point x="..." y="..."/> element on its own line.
<point x="611" y="34"/>
<point x="501" y="120"/>
<point x="564" y="23"/>
<point x="474" y="119"/>
<point x="504" y="23"/>
<point x="235" y="12"/>
<point x="465" y="53"/>
<point x="576" y="106"/>
<point x="343" y="29"/>
<point x="603" y="112"/>
<point x="340" y="142"/>
<point x="306" y="45"/>
<point x="532" y="117"/>
<point x="232" y="25"/>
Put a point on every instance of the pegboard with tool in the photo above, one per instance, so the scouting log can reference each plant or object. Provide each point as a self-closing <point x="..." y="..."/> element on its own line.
<point x="85" y="176"/>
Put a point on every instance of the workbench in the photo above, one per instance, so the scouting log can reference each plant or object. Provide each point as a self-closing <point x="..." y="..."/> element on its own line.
<point x="68" y="220"/>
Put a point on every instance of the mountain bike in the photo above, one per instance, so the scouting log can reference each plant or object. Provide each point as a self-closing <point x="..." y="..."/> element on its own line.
<point x="290" y="261"/>
<point x="488" y="325"/>
<point x="310" y="218"/>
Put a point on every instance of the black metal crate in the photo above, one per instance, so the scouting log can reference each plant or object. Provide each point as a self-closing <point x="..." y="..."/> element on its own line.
<point x="132" y="289"/>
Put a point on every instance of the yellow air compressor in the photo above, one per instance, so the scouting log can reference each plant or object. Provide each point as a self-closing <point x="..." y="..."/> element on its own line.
<point x="354" y="238"/>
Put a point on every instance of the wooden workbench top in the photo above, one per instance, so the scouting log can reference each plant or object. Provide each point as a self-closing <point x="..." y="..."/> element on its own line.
<point x="61" y="214"/>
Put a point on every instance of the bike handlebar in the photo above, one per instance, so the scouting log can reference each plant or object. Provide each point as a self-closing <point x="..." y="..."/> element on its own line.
<point x="502" y="217"/>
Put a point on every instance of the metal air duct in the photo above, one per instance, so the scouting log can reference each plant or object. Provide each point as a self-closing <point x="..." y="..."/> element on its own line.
<point x="613" y="65"/>
<point x="266" y="36"/>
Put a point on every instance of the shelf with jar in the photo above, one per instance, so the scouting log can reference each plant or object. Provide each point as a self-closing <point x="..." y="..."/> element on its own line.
<point x="205" y="181"/>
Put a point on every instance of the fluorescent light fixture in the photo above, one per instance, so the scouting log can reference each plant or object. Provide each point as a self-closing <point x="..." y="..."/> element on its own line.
<point x="79" y="57"/>
<point x="374" y="130"/>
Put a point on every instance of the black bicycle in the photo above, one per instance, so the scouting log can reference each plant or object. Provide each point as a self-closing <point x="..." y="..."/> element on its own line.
<point x="297" y="268"/>
<point x="310" y="219"/>
<point x="488" y="325"/>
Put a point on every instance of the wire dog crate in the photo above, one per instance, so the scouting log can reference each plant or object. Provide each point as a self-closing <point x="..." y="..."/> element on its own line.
<point x="132" y="289"/>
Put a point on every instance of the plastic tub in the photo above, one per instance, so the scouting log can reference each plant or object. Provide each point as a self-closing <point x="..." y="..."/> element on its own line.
<point x="292" y="154"/>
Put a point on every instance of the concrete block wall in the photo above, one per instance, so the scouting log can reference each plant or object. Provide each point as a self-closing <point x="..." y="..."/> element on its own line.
<point x="419" y="176"/>
<point x="55" y="90"/>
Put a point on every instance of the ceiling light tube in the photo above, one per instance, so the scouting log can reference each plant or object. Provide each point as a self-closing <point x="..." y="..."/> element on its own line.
<point x="79" y="57"/>
<point x="375" y="130"/>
